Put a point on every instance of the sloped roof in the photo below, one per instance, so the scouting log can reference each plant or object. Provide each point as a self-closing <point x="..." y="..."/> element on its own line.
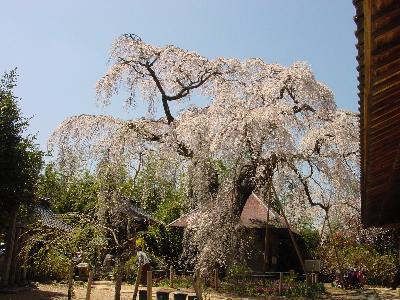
<point x="50" y="219"/>
<point x="254" y="215"/>
<point x="183" y="220"/>
<point x="141" y="215"/>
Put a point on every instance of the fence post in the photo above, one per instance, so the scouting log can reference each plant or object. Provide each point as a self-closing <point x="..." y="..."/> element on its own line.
<point x="280" y="282"/>
<point x="149" y="284"/>
<point x="137" y="282"/>
<point x="308" y="279"/>
<point x="216" y="279"/>
<point x="89" y="286"/>
<point x="70" y="279"/>
<point x="171" y="276"/>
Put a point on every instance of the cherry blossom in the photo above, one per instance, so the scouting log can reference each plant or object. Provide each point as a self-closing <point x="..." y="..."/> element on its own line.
<point x="265" y="124"/>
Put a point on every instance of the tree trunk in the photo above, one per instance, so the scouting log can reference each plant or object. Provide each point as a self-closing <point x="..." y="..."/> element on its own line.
<point x="14" y="257"/>
<point x="10" y="245"/>
<point x="118" y="280"/>
<point x="198" y="286"/>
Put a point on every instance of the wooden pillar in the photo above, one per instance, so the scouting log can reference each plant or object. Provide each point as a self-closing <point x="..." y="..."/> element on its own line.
<point x="280" y="282"/>
<point x="308" y="279"/>
<point x="266" y="239"/>
<point x="70" y="279"/>
<point x="171" y="276"/>
<point x="89" y="285"/>
<point x="149" y="284"/>
<point x="138" y="276"/>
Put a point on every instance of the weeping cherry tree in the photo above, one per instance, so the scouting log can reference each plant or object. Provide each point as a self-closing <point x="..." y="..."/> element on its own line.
<point x="265" y="125"/>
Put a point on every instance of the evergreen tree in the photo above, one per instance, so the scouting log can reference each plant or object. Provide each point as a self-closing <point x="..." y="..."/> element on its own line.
<point x="20" y="163"/>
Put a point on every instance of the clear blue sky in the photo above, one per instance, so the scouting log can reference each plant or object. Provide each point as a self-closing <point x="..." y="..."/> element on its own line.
<point x="61" y="47"/>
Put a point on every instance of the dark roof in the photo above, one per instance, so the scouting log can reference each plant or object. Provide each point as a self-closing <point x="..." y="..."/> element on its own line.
<point x="50" y="219"/>
<point x="378" y="45"/>
<point x="141" y="215"/>
<point x="254" y="215"/>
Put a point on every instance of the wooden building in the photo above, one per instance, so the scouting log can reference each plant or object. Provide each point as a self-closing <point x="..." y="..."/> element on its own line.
<point x="280" y="252"/>
<point x="378" y="45"/>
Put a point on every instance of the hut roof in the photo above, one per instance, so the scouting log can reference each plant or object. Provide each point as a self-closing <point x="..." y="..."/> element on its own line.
<point x="50" y="219"/>
<point x="378" y="45"/>
<point x="254" y="215"/>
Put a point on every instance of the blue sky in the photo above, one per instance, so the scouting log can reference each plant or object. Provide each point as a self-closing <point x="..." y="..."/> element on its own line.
<point x="61" y="47"/>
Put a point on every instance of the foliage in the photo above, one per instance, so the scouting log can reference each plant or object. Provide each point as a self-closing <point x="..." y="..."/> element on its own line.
<point x="377" y="268"/>
<point x="160" y="192"/>
<point x="53" y="249"/>
<point x="52" y="265"/>
<point x="238" y="271"/>
<point x="73" y="198"/>
<point x="310" y="235"/>
<point x="68" y="193"/>
<point x="20" y="159"/>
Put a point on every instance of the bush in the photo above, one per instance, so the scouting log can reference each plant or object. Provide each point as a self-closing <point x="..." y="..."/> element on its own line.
<point x="378" y="269"/>
<point x="51" y="265"/>
<point x="238" y="272"/>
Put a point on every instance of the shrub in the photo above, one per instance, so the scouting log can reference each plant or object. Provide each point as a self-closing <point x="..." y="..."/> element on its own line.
<point x="378" y="269"/>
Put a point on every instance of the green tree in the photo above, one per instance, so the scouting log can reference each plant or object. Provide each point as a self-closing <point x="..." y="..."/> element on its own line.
<point x="20" y="162"/>
<point x="68" y="193"/>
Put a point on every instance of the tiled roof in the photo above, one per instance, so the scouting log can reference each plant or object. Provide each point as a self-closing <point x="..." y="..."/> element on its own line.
<point x="50" y="219"/>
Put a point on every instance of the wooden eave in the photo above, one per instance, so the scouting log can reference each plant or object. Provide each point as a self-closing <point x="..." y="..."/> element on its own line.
<point x="378" y="45"/>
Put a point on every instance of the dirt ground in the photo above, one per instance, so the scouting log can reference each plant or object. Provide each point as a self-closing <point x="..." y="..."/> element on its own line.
<point x="104" y="290"/>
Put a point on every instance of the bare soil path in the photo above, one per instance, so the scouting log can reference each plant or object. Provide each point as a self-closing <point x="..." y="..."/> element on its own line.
<point x="104" y="290"/>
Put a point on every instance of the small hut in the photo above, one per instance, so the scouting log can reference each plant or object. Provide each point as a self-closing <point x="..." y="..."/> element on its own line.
<point x="275" y="254"/>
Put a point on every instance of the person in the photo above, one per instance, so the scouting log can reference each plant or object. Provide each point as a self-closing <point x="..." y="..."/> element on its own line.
<point x="143" y="261"/>
<point x="338" y="280"/>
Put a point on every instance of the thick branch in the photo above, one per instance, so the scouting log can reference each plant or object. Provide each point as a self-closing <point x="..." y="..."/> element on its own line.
<point x="153" y="137"/>
<point x="307" y="189"/>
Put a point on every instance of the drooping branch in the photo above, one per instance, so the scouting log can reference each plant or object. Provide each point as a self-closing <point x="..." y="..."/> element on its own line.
<point x="307" y="189"/>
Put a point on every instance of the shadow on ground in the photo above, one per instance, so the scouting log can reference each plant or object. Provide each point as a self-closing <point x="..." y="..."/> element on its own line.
<point x="367" y="293"/>
<point x="31" y="293"/>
